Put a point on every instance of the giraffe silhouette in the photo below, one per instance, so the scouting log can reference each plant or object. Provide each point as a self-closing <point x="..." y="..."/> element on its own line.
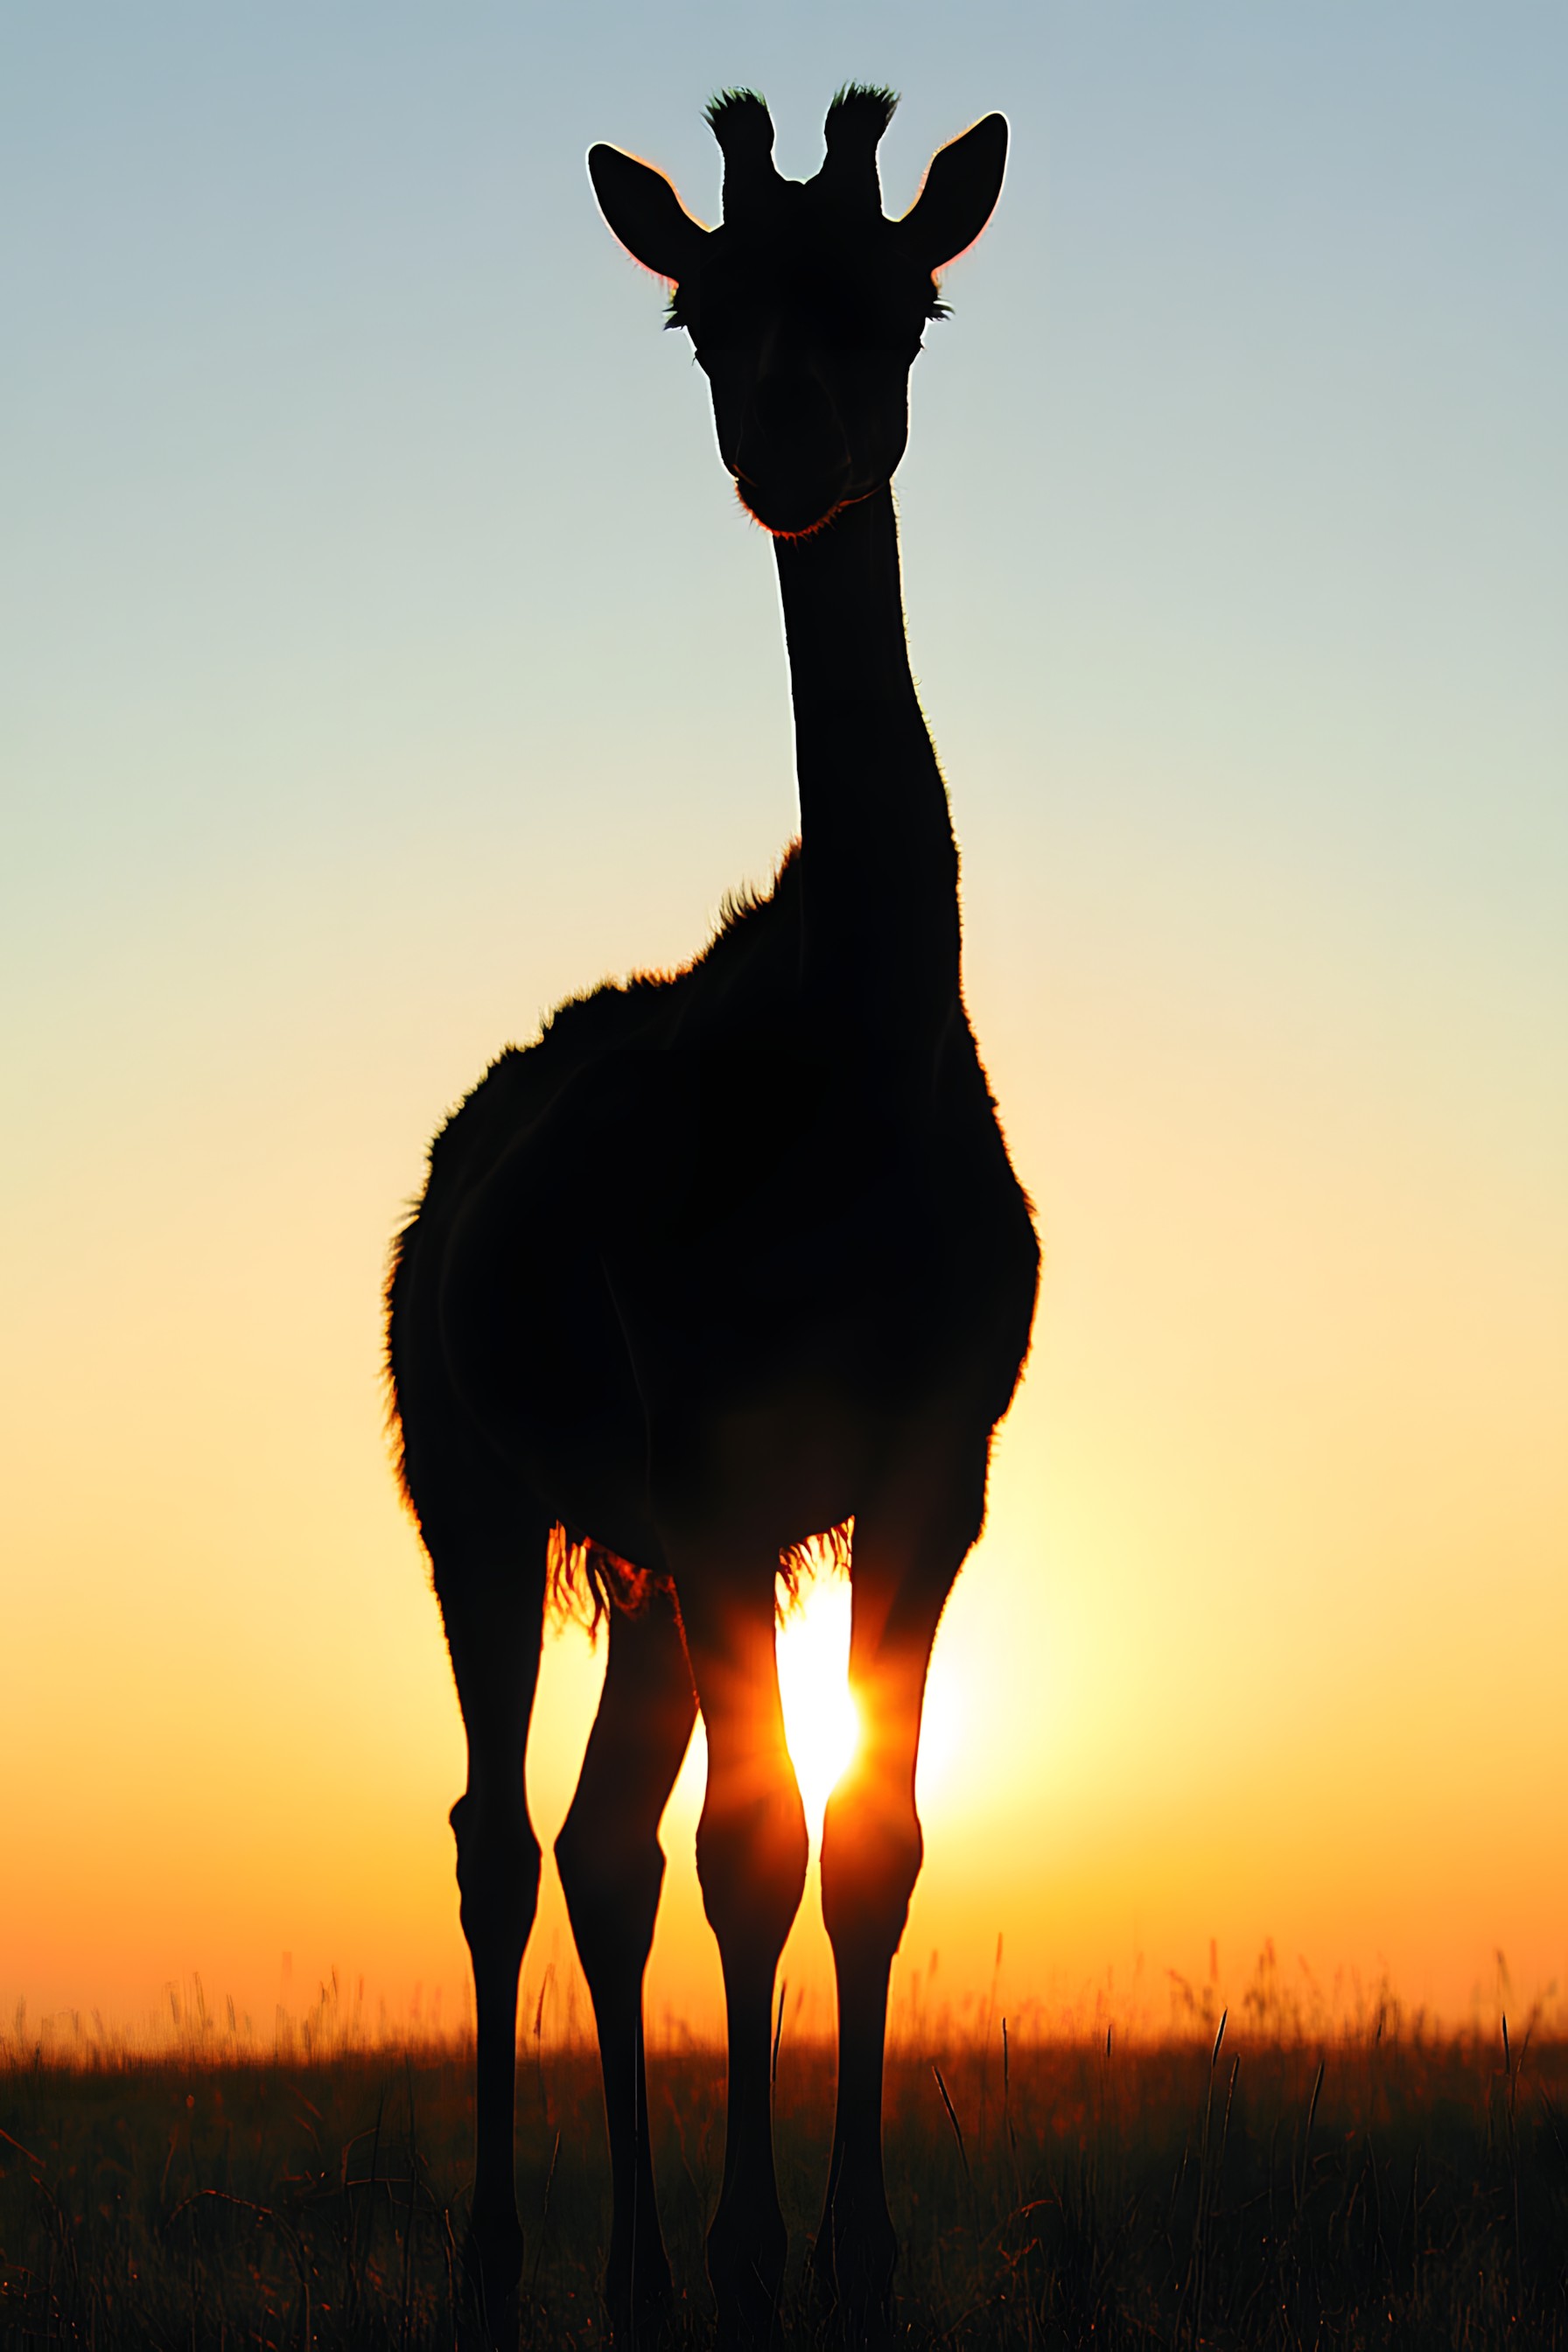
<point x="729" y="1259"/>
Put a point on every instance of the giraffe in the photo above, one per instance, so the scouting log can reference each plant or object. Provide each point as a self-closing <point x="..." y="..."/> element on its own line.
<point x="729" y="1258"/>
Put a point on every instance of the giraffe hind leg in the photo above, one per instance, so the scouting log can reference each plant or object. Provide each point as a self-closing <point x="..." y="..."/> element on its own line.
<point x="611" y="1871"/>
<point x="750" y="1861"/>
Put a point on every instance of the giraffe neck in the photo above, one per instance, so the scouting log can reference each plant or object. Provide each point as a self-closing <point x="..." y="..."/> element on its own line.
<point x="879" y="864"/>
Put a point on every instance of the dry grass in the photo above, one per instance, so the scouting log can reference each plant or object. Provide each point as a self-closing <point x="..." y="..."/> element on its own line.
<point x="1391" y="2187"/>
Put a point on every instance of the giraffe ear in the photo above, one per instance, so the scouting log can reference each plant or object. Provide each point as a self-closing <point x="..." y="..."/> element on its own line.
<point x="960" y="192"/>
<point x="645" y="213"/>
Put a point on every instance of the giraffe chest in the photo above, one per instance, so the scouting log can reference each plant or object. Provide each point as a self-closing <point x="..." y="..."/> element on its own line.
<point x="804" y="1240"/>
<point x="815" y="1211"/>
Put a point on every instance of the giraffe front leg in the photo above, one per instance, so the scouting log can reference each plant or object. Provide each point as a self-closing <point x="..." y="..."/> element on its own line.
<point x="750" y="1860"/>
<point x="611" y="1871"/>
<point x="905" y="1560"/>
<point x="871" y="1852"/>
<point x="498" y="1882"/>
<point x="493" y="1611"/>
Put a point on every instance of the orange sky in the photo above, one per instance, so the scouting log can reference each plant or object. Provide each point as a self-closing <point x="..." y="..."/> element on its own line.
<point x="347" y="737"/>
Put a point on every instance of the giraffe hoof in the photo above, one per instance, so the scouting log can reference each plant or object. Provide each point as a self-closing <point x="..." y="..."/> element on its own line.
<point x="745" y="2270"/>
<point x="639" y="2300"/>
<point x="492" y="2267"/>
<point x="853" y="2263"/>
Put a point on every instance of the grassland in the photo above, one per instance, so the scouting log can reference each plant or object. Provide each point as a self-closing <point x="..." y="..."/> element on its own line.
<point x="1390" y="2188"/>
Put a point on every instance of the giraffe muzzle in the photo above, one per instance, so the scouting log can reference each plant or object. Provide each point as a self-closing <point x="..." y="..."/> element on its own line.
<point x="794" y="463"/>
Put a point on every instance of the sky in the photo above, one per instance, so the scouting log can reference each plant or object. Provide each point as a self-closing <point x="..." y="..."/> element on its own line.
<point x="388" y="658"/>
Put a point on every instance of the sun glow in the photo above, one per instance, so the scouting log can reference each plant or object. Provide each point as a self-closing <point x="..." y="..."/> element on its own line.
<point x="820" y="1721"/>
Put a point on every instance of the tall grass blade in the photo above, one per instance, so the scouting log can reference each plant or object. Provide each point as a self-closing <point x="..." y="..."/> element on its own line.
<point x="952" y="2119"/>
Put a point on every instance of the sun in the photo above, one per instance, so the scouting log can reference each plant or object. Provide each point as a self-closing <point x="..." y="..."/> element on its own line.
<point x="820" y="1722"/>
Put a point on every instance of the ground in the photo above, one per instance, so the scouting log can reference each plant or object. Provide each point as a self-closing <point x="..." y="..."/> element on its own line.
<point x="1393" y="2189"/>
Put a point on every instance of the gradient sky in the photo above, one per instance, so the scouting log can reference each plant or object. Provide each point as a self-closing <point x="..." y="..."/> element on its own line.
<point x="387" y="658"/>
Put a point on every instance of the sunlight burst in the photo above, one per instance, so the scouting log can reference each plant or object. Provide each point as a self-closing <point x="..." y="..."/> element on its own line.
<point x="820" y="1722"/>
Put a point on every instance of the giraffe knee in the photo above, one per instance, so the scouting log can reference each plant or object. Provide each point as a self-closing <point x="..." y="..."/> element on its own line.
<point x="750" y="1861"/>
<point x="612" y="1880"/>
<point x="871" y="1855"/>
<point x="498" y="1873"/>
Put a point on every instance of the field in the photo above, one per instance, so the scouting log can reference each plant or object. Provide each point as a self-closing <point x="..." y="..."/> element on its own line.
<point x="1391" y="2187"/>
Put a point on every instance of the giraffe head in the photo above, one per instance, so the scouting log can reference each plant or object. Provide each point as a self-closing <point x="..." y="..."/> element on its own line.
<point x="806" y="306"/>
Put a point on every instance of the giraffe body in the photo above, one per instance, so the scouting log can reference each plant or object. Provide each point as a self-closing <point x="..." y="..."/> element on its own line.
<point x="687" y="1203"/>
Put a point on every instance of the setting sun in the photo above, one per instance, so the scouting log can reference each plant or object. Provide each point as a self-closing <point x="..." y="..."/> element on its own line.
<point x="820" y="1722"/>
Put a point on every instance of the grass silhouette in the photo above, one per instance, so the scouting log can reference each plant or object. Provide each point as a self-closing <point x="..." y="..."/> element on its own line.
<point x="1387" y="2186"/>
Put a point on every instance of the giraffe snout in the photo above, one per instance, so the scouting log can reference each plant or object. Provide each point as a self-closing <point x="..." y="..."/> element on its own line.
<point x="794" y="459"/>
